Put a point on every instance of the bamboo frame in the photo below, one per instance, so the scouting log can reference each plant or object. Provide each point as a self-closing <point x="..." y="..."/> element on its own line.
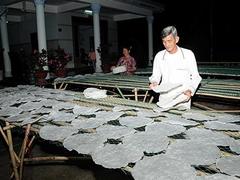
<point x="204" y="107"/>
<point x="16" y="160"/>
<point x="226" y="89"/>
<point x="11" y="152"/>
<point x="207" y="68"/>
<point x="23" y="150"/>
<point x="7" y="142"/>
<point x="55" y="158"/>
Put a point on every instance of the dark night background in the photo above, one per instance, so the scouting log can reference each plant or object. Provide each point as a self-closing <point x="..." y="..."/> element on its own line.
<point x="209" y="28"/>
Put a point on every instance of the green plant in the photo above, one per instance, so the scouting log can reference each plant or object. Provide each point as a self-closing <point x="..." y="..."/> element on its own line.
<point x="58" y="59"/>
<point x="55" y="59"/>
<point x="40" y="59"/>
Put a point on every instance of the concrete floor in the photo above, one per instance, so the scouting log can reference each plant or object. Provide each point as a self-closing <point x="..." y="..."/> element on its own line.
<point x="77" y="170"/>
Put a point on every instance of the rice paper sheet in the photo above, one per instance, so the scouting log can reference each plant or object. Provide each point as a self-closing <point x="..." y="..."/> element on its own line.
<point x="114" y="132"/>
<point x="108" y="115"/>
<point x="63" y="105"/>
<point x="135" y="121"/>
<point x="30" y="120"/>
<point x="193" y="152"/>
<point x="208" y="136"/>
<point x="41" y="111"/>
<point x="84" y="143"/>
<point x="222" y="126"/>
<point x="162" y="167"/>
<point x="89" y="123"/>
<point x="61" y="116"/>
<point x="147" y="113"/>
<point x="227" y="118"/>
<point x="114" y="156"/>
<point x="235" y="146"/>
<point x="124" y="108"/>
<point x="196" y="115"/>
<point x="56" y="133"/>
<point x="10" y="111"/>
<point x="229" y="165"/>
<point x="217" y="176"/>
<point x="164" y="129"/>
<point x="83" y="110"/>
<point x="146" y="142"/>
<point x="20" y="117"/>
<point x="180" y="121"/>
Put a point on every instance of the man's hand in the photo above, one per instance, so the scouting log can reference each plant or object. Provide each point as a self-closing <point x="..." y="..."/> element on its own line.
<point x="112" y="67"/>
<point x="188" y="93"/>
<point x="152" y="85"/>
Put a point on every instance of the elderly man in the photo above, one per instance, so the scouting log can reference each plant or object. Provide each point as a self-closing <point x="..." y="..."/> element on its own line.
<point x="175" y="75"/>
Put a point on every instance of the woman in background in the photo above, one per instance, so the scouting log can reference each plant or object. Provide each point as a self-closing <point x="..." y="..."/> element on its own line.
<point x="126" y="60"/>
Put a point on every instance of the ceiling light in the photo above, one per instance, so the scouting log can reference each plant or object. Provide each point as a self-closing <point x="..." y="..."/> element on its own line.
<point x="88" y="12"/>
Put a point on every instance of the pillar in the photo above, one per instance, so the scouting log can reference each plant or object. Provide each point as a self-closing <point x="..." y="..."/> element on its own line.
<point x="5" y="43"/>
<point x="96" y="28"/>
<point x="150" y="39"/>
<point x="41" y="29"/>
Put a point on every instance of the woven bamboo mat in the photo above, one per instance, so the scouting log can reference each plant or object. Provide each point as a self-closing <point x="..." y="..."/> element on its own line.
<point x="111" y="102"/>
<point x="222" y="88"/>
<point x="210" y="70"/>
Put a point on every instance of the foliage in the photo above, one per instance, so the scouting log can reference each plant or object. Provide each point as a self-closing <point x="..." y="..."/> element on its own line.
<point x="40" y="59"/>
<point x="55" y="59"/>
<point x="58" y="59"/>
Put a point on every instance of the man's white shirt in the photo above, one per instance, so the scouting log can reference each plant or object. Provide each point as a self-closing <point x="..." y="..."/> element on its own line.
<point x="177" y="68"/>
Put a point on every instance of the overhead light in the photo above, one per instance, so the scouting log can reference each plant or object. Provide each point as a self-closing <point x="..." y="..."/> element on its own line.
<point x="88" y="12"/>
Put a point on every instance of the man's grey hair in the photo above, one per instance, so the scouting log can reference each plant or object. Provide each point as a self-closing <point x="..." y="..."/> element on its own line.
<point x="169" y="30"/>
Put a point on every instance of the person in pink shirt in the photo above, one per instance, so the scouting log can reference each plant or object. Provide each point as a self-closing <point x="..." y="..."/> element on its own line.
<point x="126" y="60"/>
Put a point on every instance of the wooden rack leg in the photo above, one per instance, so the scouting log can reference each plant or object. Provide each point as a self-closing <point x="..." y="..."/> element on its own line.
<point x="61" y="85"/>
<point x="29" y="144"/>
<point x="120" y="92"/>
<point x="202" y="106"/>
<point x="136" y="94"/>
<point x="145" y="96"/>
<point x="11" y="151"/>
<point x="65" y="86"/>
<point x="23" y="149"/>
<point x="6" y="140"/>
<point x="151" y="99"/>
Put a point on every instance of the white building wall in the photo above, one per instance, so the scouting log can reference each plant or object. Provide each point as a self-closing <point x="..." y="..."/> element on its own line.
<point x="58" y="33"/>
<point x="64" y="34"/>
<point x="19" y="33"/>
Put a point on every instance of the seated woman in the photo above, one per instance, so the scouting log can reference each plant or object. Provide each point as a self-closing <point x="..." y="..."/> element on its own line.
<point x="92" y="59"/>
<point x="126" y="60"/>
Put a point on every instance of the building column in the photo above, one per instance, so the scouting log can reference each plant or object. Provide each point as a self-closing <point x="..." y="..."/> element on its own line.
<point x="150" y="39"/>
<point x="41" y="29"/>
<point x="96" y="27"/>
<point x="5" y="43"/>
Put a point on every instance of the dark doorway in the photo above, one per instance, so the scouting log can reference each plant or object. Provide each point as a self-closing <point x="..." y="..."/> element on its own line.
<point x="34" y="41"/>
<point x="79" y="23"/>
<point x="130" y="35"/>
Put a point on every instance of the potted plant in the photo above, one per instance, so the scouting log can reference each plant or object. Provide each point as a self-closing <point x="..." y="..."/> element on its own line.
<point x="40" y="63"/>
<point x="57" y="61"/>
